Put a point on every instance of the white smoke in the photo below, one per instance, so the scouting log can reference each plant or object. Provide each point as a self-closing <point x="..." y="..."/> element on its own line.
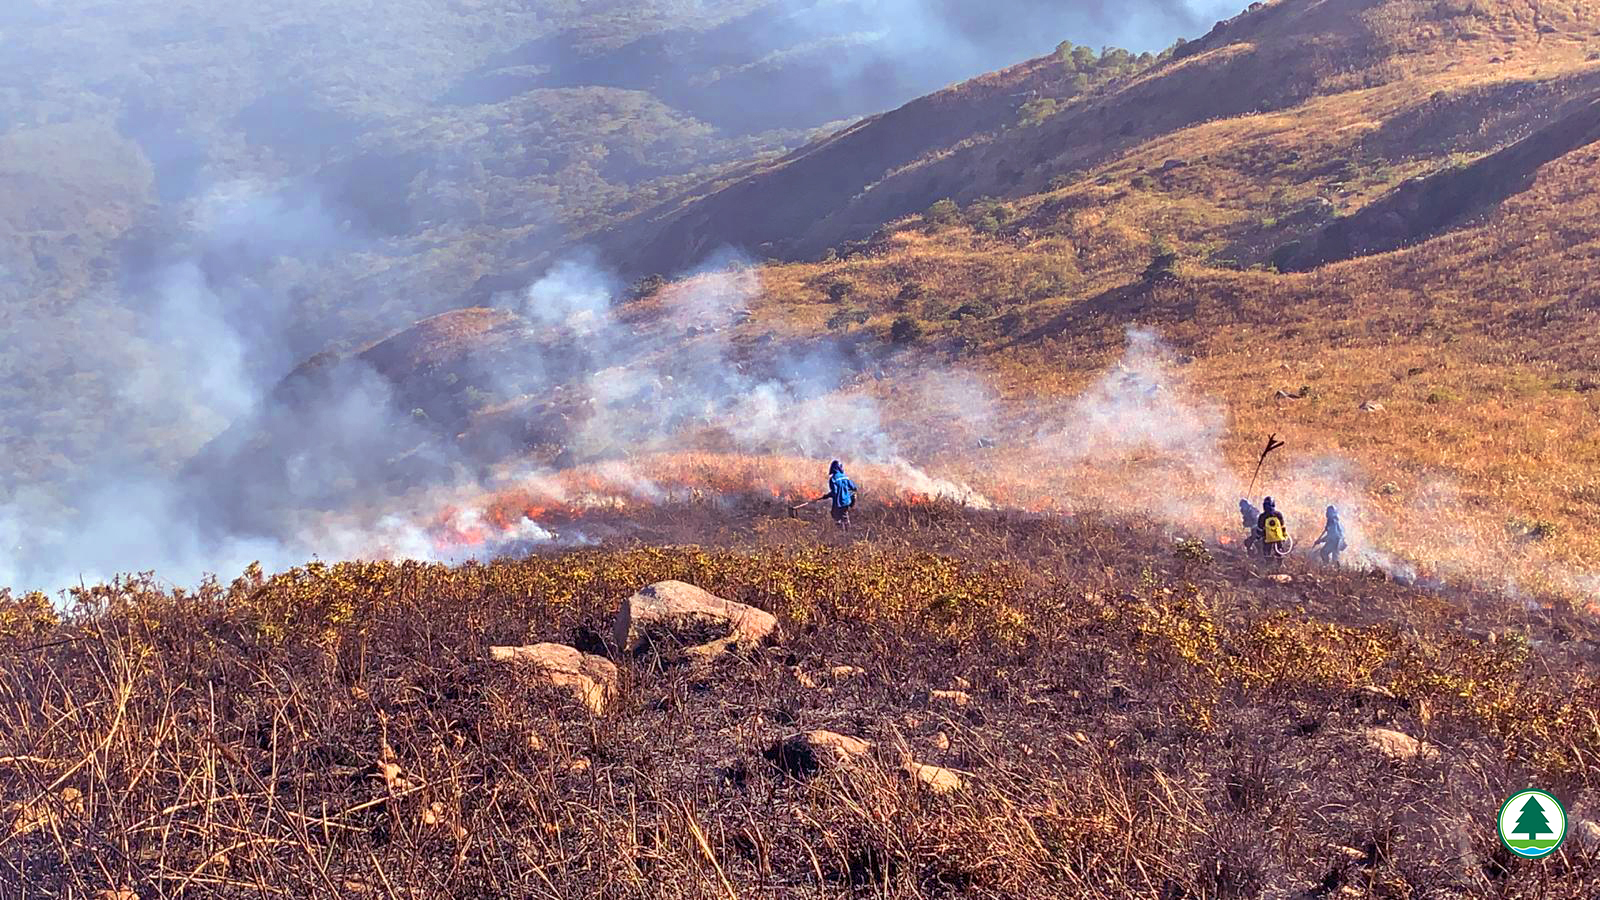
<point x="650" y="391"/>
<point x="199" y="341"/>
<point x="1141" y="439"/>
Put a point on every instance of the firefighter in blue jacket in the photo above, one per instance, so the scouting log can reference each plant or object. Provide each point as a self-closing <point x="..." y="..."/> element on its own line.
<point x="842" y="491"/>
<point x="1332" y="539"/>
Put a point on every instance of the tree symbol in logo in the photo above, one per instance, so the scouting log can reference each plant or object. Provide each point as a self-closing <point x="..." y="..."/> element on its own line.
<point x="1532" y="821"/>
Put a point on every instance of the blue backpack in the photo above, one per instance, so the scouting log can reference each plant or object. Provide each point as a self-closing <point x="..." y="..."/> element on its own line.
<point x="844" y="492"/>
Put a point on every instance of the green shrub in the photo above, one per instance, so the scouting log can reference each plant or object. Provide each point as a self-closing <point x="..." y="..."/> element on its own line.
<point x="1035" y="111"/>
<point x="944" y="212"/>
<point x="1163" y="263"/>
<point x="846" y="317"/>
<point x="976" y="309"/>
<point x="1065" y="180"/>
<point x="904" y="330"/>
<point x="1536" y="529"/>
<point x="647" y="287"/>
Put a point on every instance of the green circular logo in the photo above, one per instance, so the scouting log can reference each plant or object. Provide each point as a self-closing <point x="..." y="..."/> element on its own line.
<point x="1533" y="823"/>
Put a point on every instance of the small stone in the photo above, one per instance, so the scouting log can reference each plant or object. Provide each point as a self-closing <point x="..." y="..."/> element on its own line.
<point x="941" y="741"/>
<point x="840" y="673"/>
<point x="72" y="802"/>
<point x="393" y="776"/>
<point x="961" y="683"/>
<point x="937" y="779"/>
<point x="1587" y="835"/>
<point x="809" y="752"/>
<point x="1398" y="745"/>
<point x="579" y="766"/>
<point x="1281" y="578"/>
<point x="956" y="698"/>
<point x="805" y="679"/>
<point x="1371" y="406"/>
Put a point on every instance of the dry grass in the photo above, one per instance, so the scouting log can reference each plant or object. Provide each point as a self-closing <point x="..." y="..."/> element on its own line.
<point x="1145" y="722"/>
<point x="1480" y="342"/>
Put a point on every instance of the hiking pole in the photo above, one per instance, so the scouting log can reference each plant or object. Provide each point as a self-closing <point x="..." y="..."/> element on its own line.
<point x="1272" y="444"/>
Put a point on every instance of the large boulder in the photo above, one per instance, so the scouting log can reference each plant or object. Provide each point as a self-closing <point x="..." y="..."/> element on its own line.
<point x="672" y="614"/>
<point x="592" y="679"/>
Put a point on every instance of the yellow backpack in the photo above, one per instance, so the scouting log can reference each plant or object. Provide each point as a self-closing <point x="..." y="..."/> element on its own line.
<point x="1273" y="532"/>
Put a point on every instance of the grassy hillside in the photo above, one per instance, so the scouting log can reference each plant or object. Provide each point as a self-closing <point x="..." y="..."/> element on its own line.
<point x="1127" y="718"/>
<point x="1425" y="163"/>
<point x="1077" y="295"/>
<point x="1434" y="367"/>
<point x="1293" y="76"/>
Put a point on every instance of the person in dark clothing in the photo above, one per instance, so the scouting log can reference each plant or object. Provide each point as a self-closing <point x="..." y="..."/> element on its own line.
<point x="1273" y="529"/>
<point x="842" y="491"/>
<point x="1248" y="514"/>
<point x="1332" y="539"/>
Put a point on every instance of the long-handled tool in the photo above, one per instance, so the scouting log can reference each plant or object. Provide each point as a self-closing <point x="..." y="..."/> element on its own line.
<point x="1272" y="444"/>
<point x="794" y="511"/>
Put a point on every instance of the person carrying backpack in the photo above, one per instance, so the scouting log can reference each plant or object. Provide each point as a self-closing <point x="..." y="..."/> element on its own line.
<point x="842" y="491"/>
<point x="1331" y="540"/>
<point x="1273" y="530"/>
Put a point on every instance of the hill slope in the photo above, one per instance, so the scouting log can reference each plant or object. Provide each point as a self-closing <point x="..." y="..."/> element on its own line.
<point x="975" y="340"/>
<point x="1108" y="716"/>
<point x="1274" y="57"/>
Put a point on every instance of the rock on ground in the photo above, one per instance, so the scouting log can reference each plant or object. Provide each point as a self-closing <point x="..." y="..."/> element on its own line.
<point x="1398" y="745"/>
<point x="809" y="752"/>
<point x="937" y="779"/>
<point x="958" y="698"/>
<point x="593" y="679"/>
<point x="1587" y="833"/>
<point x="682" y="613"/>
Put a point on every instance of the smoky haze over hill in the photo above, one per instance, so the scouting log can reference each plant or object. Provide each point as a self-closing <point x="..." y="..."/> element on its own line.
<point x="806" y="62"/>
<point x="198" y="197"/>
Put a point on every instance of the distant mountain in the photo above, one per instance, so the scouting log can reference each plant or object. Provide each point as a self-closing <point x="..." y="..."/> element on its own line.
<point x="982" y="139"/>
